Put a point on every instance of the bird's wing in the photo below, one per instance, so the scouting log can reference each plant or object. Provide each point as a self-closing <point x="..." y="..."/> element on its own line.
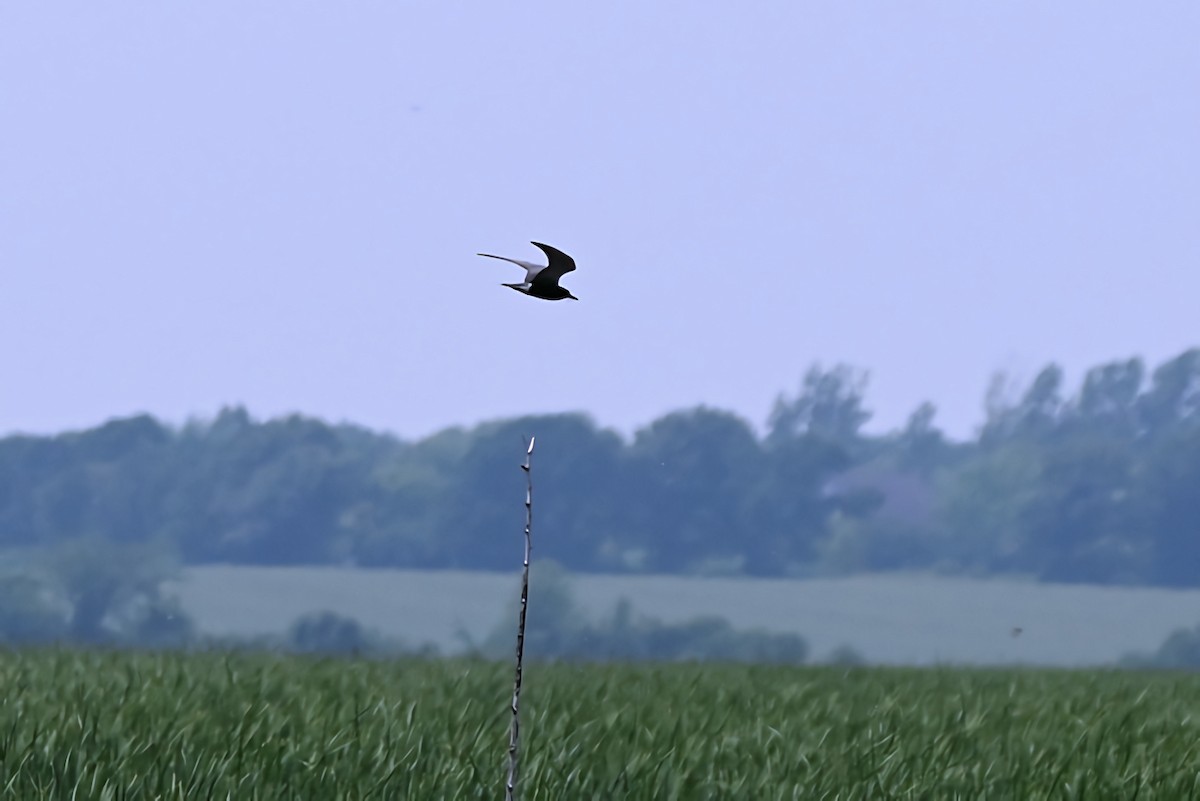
<point x="560" y="264"/>
<point x="531" y="269"/>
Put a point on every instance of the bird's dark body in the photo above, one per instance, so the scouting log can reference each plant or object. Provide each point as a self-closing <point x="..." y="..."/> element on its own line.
<point x="542" y="281"/>
<point x="543" y="291"/>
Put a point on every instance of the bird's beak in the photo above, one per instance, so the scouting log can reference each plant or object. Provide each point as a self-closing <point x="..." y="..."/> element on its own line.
<point x="572" y="297"/>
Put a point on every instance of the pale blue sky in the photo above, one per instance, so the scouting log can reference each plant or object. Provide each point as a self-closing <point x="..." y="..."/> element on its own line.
<point x="278" y="204"/>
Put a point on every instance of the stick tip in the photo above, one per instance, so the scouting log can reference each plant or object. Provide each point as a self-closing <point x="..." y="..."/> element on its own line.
<point x="530" y="449"/>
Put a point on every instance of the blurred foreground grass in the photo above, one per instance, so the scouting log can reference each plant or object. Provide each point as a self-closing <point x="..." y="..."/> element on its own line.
<point x="92" y="725"/>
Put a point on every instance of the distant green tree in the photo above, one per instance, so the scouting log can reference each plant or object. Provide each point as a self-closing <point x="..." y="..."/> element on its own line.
<point x="983" y="508"/>
<point x="845" y="656"/>
<point x="869" y="543"/>
<point x="1097" y="486"/>
<point x="828" y="405"/>
<point x="585" y="493"/>
<point x="28" y="611"/>
<point x="1107" y="401"/>
<point x="1173" y="398"/>
<point x="788" y="509"/>
<point x="1082" y="523"/>
<point x="328" y="633"/>
<point x="1169" y="490"/>
<point x="107" y="481"/>
<point x="101" y="581"/>
<point x="1034" y="416"/>
<point x="400" y="520"/>
<point x="161" y="623"/>
<point x="921" y="446"/>
<point x="557" y="629"/>
<point x="554" y="622"/>
<point x="578" y="482"/>
<point x="696" y="469"/>
<point x="271" y="493"/>
<point x="1179" y="651"/>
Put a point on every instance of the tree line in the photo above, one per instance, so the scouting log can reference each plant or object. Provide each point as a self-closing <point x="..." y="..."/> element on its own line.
<point x="1100" y="484"/>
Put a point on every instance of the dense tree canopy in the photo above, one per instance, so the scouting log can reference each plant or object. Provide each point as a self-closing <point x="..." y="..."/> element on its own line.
<point x="1099" y="485"/>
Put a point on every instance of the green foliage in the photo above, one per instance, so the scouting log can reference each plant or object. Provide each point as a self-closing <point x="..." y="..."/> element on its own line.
<point x="829" y="405"/>
<point x="1034" y="416"/>
<point x="557" y="630"/>
<point x="152" y="726"/>
<point x="100" y="482"/>
<point x="1098" y="485"/>
<point x="704" y="639"/>
<point x="845" y="656"/>
<point x="1174" y="395"/>
<point x="1082" y="520"/>
<point x="297" y="491"/>
<point x="328" y="633"/>
<point x="270" y="493"/>
<point x="921" y="447"/>
<point x="1180" y="651"/>
<point x="874" y="544"/>
<point x="1169" y="495"/>
<point x="581" y="494"/>
<point x="1108" y="398"/>
<point x="28" y="612"/>
<point x="985" y="504"/>
<point x="102" y="580"/>
<point x="697" y="465"/>
<point x="93" y="591"/>
<point x="161" y="623"/>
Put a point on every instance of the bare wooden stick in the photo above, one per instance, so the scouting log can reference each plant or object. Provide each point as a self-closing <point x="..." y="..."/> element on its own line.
<point x="514" y="735"/>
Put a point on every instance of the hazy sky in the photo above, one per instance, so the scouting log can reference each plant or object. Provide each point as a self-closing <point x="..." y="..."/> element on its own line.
<point x="278" y="204"/>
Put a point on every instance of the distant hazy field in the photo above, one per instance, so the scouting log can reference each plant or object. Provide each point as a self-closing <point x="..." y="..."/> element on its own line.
<point x="896" y="619"/>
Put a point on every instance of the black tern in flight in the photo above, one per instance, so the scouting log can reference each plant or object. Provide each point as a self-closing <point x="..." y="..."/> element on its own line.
<point x="541" y="281"/>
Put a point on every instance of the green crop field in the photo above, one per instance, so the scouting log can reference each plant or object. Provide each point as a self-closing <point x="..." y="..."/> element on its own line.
<point x="168" y="726"/>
